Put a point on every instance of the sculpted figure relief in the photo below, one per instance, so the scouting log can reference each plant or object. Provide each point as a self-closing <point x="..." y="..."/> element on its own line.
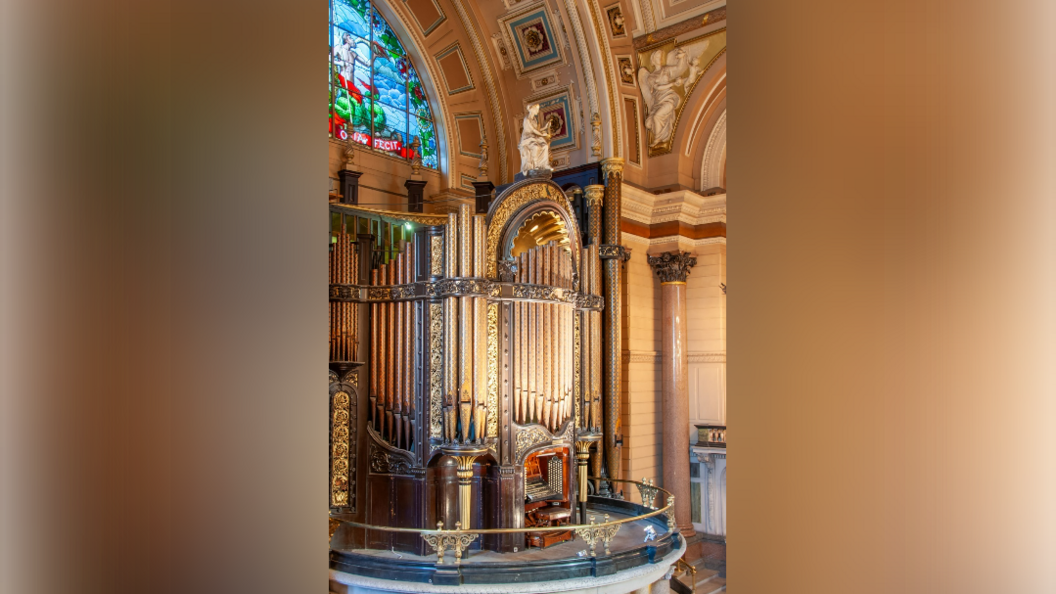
<point x="658" y="89"/>
<point x="535" y="142"/>
<point x="665" y="87"/>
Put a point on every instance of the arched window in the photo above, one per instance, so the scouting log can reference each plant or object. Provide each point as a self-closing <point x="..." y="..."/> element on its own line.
<point x="375" y="94"/>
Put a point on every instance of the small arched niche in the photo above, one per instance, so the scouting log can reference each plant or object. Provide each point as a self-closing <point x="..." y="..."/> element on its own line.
<point x="538" y="229"/>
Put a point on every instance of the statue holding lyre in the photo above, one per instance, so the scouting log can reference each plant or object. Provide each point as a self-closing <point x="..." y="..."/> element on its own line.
<point x="535" y="142"/>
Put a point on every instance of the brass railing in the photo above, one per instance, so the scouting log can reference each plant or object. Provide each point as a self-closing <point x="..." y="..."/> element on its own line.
<point x="593" y="533"/>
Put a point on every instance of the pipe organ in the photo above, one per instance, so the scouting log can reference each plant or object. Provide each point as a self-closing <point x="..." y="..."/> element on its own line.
<point x="466" y="345"/>
<point x="344" y="267"/>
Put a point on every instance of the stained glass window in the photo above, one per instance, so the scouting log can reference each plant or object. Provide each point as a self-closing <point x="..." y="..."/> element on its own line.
<point x="375" y="93"/>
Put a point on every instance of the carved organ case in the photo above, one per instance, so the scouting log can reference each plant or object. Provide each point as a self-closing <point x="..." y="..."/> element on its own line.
<point x="461" y="352"/>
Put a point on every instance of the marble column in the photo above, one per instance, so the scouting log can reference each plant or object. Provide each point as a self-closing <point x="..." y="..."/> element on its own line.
<point x="673" y="269"/>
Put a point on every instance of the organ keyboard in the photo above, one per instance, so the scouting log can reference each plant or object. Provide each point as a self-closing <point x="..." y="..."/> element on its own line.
<point x="536" y="490"/>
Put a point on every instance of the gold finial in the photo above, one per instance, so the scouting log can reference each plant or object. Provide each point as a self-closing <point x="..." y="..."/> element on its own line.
<point x="350" y="151"/>
<point x="416" y="160"/>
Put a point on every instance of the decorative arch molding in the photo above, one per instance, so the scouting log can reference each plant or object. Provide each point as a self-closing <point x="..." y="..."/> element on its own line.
<point x="414" y="45"/>
<point x="714" y="161"/>
<point x="611" y="87"/>
<point x="585" y="60"/>
<point x="510" y="206"/>
<point x="497" y="115"/>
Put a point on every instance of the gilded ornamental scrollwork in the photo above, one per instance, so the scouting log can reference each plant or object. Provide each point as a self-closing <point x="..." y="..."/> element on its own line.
<point x="386" y="462"/>
<point x="436" y="368"/>
<point x="340" y="456"/>
<point x="593" y="533"/>
<point x="455" y="540"/>
<point x="528" y="193"/>
<point x="527" y="439"/>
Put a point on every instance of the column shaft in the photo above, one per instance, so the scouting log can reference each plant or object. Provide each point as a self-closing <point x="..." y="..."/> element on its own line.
<point x="612" y="383"/>
<point x="675" y="398"/>
<point x="673" y="269"/>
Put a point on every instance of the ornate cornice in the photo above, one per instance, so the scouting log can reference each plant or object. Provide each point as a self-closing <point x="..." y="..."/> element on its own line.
<point x="672" y="267"/>
<point x="683" y="205"/>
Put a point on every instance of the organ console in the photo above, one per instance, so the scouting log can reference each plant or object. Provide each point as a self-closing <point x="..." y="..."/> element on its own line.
<point x="464" y="365"/>
<point x="546" y="496"/>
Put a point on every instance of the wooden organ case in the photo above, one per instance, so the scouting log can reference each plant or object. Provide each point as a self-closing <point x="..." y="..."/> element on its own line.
<point x="464" y="350"/>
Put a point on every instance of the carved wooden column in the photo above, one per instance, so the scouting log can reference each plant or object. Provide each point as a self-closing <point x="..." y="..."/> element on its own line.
<point x="673" y="269"/>
<point x="613" y="254"/>
<point x="592" y="326"/>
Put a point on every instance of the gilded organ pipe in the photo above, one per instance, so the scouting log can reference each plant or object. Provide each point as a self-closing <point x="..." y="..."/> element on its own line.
<point x="343" y="266"/>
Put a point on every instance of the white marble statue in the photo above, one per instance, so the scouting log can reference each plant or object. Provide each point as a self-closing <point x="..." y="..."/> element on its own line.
<point x="535" y="142"/>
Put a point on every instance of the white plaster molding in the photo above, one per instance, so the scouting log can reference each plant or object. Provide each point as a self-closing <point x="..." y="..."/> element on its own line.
<point x="677" y="17"/>
<point x="657" y="357"/>
<point x="698" y="120"/>
<point x="684" y="242"/>
<point x="642" y="356"/>
<point x="707" y="357"/>
<point x="686" y="206"/>
<point x="629" y="238"/>
<point x="714" y="155"/>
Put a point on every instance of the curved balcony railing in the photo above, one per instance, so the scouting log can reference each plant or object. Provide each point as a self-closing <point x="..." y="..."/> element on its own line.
<point x="594" y="533"/>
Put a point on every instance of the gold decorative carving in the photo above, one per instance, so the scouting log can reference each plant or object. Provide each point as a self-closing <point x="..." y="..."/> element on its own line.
<point x="339" y="456"/>
<point x="611" y="166"/>
<point x="351" y="378"/>
<point x="594" y="195"/>
<point x="512" y="203"/>
<point x="442" y="540"/>
<point x="593" y="533"/>
<point x="575" y="366"/>
<point x="436" y="368"/>
<point x="527" y="438"/>
<point x="493" y="369"/>
<point x="648" y="492"/>
<point x="670" y="513"/>
<point x="436" y="255"/>
<point x="334" y="525"/>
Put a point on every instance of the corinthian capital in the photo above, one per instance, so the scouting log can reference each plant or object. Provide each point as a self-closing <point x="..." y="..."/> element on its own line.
<point x="672" y="267"/>
<point x="594" y="194"/>
<point x="611" y="166"/>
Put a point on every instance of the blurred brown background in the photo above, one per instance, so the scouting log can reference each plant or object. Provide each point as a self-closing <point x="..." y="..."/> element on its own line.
<point x="890" y="344"/>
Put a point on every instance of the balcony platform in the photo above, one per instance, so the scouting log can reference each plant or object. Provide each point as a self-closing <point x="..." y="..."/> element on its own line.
<point x="634" y="563"/>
